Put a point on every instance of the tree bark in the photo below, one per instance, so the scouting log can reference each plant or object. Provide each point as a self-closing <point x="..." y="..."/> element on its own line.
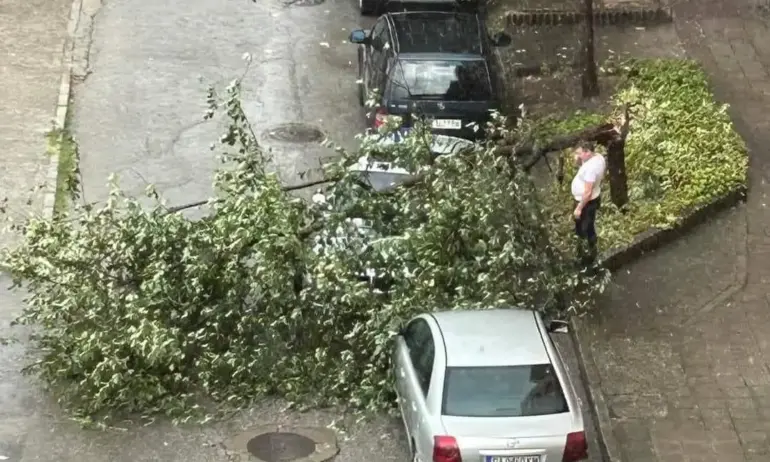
<point x="602" y="134"/>
<point x="590" y="78"/>
<point x="616" y="164"/>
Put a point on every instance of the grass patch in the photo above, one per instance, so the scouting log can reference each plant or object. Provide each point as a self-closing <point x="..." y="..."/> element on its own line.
<point x="682" y="151"/>
<point x="62" y="144"/>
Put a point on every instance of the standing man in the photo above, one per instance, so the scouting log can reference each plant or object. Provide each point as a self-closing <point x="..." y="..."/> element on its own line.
<point x="586" y="189"/>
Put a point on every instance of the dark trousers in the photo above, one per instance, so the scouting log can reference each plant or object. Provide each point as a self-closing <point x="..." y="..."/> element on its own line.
<point x="585" y="229"/>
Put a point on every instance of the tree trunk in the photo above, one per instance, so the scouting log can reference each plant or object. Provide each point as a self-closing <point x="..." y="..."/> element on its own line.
<point x="616" y="163"/>
<point x="616" y="168"/>
<point x="590" y="78"/>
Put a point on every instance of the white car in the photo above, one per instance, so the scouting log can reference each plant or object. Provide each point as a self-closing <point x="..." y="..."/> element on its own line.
<point x="486" y="386"/>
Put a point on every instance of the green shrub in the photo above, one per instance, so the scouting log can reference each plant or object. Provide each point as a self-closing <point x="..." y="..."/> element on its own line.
<point x="682" y="151"/>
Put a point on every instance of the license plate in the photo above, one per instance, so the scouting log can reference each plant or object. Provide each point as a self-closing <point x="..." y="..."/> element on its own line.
<point x="513" y="459"/>
<point x="447" y="124"/>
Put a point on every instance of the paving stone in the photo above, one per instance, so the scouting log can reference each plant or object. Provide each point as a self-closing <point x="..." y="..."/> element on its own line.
<point x="672" y="457"/>
<point x="638" y="406"/>
<point x="748" y="425"/>
<point x="754" y="442"/>
<point x="724" y="55"/>
<point x="748" y="59"/>
<point x="698" y="450"/>
<point x="716" y="419"/>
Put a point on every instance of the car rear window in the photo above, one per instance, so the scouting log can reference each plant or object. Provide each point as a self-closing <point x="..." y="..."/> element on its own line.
<point x="446" y="80"/>
<point x="503" y="391"/>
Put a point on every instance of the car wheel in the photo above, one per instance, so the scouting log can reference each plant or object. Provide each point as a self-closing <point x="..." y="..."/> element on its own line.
<point x="368" y="7"/>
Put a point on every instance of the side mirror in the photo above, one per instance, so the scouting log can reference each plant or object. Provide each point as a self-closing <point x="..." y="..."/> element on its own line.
<point x="558" y="327"/>
<point x="501" y="39"/>
<point x="359" y="36"/>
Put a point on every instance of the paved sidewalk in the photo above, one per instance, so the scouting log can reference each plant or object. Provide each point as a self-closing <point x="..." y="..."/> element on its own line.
<point x="31" y="41"/>
<point x="682" y="339"/>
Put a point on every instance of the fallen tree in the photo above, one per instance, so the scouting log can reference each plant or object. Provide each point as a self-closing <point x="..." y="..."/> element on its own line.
<point x="605" y="134"/>
<point x="139" y="310"/>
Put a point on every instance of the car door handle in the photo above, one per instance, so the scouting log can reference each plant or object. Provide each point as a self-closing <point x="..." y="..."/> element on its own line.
<point x="401" y="372"/>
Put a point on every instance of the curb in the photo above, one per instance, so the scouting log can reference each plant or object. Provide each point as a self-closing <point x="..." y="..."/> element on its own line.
<point x="653" y="239"/>
<point x="62" y="108"/>
<point x="600" y="411"/>
<point x="618" y="16"/>
<point x="613" y="260"/>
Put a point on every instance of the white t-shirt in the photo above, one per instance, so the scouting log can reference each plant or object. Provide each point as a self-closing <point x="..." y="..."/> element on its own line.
<point x="592" y="171"/>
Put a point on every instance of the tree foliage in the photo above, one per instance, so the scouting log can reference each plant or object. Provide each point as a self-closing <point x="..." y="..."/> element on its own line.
<point x="142" y="310"/>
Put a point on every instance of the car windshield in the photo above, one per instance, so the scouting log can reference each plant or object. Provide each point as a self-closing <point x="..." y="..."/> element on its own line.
<point x="503" y="391"/>
<point x="448" y="80"/>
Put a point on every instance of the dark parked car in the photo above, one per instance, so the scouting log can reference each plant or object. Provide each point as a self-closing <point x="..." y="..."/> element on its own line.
<point x="436" y="64"/>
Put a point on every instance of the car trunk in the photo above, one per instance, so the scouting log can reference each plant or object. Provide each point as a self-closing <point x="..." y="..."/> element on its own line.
<point x="451" y="118"/>
<point x="531" y="438"/>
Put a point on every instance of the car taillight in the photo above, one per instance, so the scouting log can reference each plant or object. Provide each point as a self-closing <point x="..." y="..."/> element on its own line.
<point x="445" y="449"/>
<point x="576" y="448"/>
<point x="379" y="117"/>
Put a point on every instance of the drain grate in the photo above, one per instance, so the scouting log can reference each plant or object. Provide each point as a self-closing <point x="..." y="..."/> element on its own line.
<point x="280" y="446"/>
<point x="295" y="133"/>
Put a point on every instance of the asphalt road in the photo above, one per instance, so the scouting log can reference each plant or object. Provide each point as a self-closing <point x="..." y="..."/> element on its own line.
<point x="138" y="114"/>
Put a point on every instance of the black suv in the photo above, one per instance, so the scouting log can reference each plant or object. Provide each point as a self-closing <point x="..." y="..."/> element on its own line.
<point x="437" y="64"/>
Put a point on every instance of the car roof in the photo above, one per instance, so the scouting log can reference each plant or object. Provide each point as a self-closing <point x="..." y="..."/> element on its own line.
<point x="437" y="32"/>
<point x="500" y="337"/>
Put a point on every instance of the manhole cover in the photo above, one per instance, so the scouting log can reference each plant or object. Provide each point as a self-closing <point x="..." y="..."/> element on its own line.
<point x="280" y="447"/>
<point x="295" y="132"/>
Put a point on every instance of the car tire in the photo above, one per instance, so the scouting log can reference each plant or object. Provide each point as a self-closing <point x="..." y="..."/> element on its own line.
<point x="368" y="7"/>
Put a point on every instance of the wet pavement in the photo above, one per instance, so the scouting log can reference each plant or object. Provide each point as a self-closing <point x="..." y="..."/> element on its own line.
<point x="139" y="112"/>
<point x="680" y="340"/>
<point x="32" y="34"/>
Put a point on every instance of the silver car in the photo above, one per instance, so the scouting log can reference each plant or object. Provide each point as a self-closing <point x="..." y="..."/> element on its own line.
<point x="486" y="386"/>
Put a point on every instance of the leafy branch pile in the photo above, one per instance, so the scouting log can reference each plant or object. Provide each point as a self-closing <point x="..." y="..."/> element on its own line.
<point x="682" y="151"/>
<point x="141" y="310"/>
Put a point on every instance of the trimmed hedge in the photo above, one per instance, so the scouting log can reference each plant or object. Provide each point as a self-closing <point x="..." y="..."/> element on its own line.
<point x="682" y="151"/>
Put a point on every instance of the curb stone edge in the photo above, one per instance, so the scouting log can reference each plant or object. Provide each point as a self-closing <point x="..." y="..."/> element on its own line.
<point x="613" y="16"/>
<point x="654" y="238"/>
<point x="600" y="411"/>
<point x="615" y="259"/>
<point x="62" y="108"/>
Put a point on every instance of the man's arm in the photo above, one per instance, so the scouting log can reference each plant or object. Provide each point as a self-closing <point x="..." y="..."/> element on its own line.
<point x="588" y="191"/>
